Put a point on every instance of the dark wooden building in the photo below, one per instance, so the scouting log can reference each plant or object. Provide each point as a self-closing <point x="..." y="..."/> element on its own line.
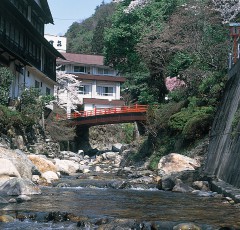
<point x="23" y="47"/>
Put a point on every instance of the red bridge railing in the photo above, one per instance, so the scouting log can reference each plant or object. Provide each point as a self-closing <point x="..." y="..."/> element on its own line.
<point x="97" y="112"/>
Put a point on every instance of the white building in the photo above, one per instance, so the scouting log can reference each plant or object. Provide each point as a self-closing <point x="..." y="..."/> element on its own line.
<point x="100" y="85"/>
<point x="58" y="42"/>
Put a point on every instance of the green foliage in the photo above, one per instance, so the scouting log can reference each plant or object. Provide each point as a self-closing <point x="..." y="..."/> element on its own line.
<point x="30" y="104"/>
<point x="127" y="30"/>
<point x="87" y="36"/>
<point x="128" y="130"/>
<point x="235" y="122"/>
<point x="180" y="62"/>
<point x="178" y="95"/>
<point x="158" y="116"/>
<point x="192" y="122"/>
<point x="10" y="118"/>
<point x="6" y="78"/>
<point x="211" y="88"/>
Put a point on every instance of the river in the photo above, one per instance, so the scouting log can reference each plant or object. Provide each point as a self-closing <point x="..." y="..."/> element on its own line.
<point x="92" y="201"/>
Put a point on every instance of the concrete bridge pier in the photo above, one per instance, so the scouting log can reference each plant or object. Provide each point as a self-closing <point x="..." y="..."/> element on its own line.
<point x="82" y="138"/>
<point x="139" y="129"/>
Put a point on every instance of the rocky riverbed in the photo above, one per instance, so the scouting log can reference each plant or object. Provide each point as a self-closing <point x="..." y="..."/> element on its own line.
<point x="103" y="191"/>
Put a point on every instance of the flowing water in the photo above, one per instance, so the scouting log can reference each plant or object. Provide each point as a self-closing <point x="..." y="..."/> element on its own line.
<point x="142" y="205"/>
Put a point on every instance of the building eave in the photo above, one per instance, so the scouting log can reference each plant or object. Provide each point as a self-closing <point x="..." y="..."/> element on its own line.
<point x="99" y="77"/>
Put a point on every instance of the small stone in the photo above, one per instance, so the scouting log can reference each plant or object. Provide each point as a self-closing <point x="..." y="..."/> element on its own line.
<point x="228" y="198"/>
<point x="6" y="219"/>
<point x="23" y="198"/>
<point x="186" y="226"/>
<point x="231" y="202"/>
<point x="12" y="200"/>
<point x="35" y="178"/>
<point x="86" y="170"/>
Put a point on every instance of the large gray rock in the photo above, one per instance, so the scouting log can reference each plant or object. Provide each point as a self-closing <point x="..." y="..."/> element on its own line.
<point x="181" y="187"/>
<point x="174" y="162"/>
<point x="23" y="165"/>
<point x="66" y="166"/>
<point x="50" y="176"/>
<point x="42" y="164"/>
<point x="19" y="186"/>
<point x="167" y="183"/>
<point x="7" y="170"/>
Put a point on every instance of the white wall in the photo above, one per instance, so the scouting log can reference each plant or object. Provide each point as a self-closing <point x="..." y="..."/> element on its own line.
<point x="27" y="79"/>
<point x="59" y="42"/>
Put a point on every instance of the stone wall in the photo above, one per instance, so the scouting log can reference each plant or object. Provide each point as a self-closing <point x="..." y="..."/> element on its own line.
<point x="223" y="160"/>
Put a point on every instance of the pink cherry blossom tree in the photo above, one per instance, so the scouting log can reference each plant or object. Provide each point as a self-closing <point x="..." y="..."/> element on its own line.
<point x="66" y="91"/>
<point x="228" y="9"/>
<point x="173" y="83"/>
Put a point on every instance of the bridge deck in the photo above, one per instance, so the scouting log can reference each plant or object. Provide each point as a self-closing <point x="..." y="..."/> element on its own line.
<point x="122" y="114"/>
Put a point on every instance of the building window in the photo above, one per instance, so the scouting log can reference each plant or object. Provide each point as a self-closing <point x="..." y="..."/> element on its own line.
<point x="48" y="91"/>
<point x="84" y="89"/>
<point x="82" y="69"/>
<point x="103" y="71"/>
<point x="37" y="84"/>
<point x="105" y="90"/>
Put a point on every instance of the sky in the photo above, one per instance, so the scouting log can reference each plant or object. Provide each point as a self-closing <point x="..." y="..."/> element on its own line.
<point x="65" y="12"/>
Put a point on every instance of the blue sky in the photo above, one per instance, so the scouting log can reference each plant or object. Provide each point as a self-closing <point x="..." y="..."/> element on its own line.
<point x="65" y="12"/>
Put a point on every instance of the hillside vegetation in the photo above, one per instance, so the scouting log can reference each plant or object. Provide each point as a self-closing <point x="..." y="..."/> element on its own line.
<point x="183" y="41"/>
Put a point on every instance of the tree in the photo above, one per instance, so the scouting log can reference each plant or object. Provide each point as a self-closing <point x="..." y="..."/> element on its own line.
<point x="67" y="91"/>
<point x="229" y="9"/>
<point x="145" y="80"/>
<point x="6" y="78"/>
<point x="87" y="36"/>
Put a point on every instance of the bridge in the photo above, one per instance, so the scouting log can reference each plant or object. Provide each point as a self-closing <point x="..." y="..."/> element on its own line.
<point x="124" y="114"/>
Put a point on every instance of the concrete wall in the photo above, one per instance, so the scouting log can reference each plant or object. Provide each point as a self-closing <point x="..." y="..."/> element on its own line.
<point x="223" y="158"/>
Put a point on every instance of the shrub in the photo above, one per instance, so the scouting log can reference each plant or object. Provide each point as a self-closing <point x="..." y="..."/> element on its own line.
<point x="192" y="122"/>
<point x="158" y="116"/>
<point x="197" y="126"/>
<point x="128" y="130"/>
<point x="10" y="118"/>
<point x="6" y="78"/>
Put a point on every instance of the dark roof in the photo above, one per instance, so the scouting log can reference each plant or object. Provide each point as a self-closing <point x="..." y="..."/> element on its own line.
<point x="45" y="10"/>
<point x="82" y="59"/>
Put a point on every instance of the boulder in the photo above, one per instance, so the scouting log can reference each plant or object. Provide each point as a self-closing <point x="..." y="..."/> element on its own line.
<point x="7" y="170"/>
<point x="109" y="155"/>
<point x="116" y="147"/>
<point x="181" y="187"/>
<point x="174" y="162"/>
<point x="19" y="186"/>
<point x="6" y="219"/>
<point x="42" y="164"/>
<point x="23" y="165"/>
<point x="186" y="226"/>
<point x="201" y="185"/>
<point x="50" y="176"/>
<point x="166" y="183"/>
<point x="23" y="198"/>
<point x="66" y="166"/>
